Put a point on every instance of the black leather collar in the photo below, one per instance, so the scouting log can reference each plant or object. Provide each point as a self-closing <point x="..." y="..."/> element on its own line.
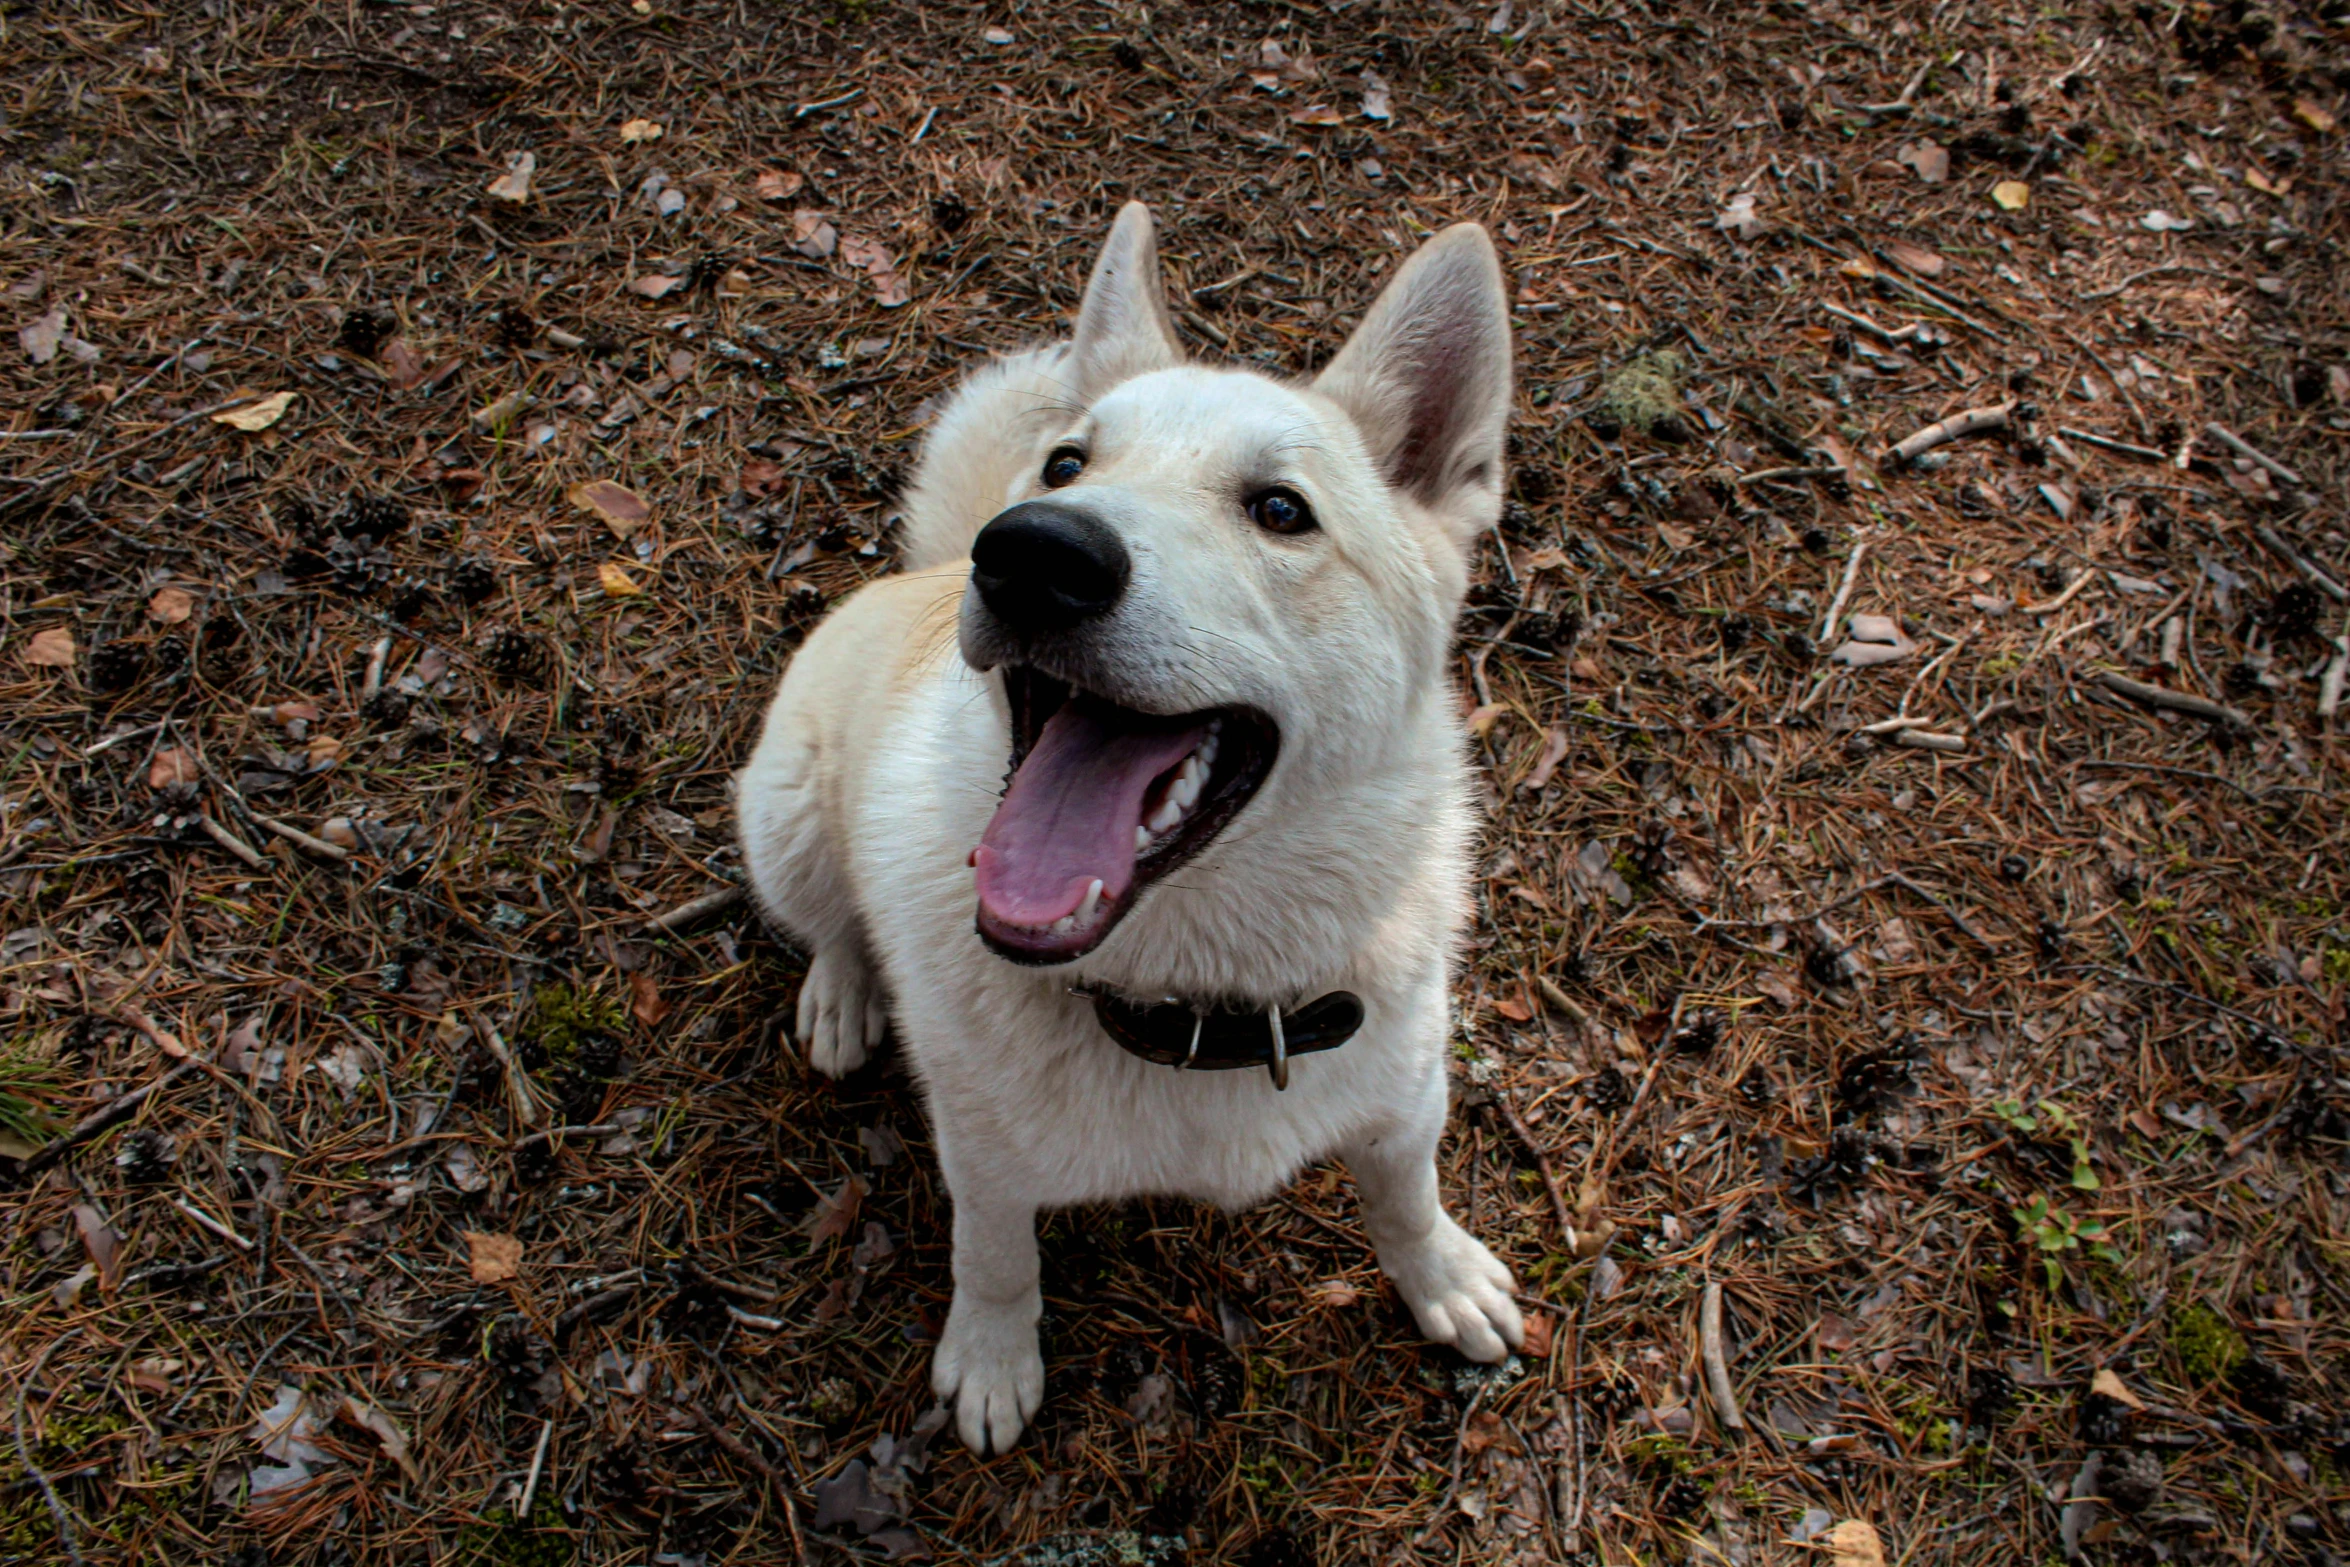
<point x="1180" y="1034"/>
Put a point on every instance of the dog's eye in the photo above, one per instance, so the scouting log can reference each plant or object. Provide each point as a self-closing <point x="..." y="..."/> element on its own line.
<point x="1281" y="511"/>
<point x="1063" y="467"/>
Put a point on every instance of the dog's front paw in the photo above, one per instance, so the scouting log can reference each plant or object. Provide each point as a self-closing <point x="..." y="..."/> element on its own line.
<point x="842" y="1016"/>
<point x="1458" y="1291"/>
<point x="988" y="1363"/>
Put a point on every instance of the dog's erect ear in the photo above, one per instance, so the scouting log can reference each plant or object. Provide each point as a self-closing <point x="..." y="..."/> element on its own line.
<point x="1427" y="378"/>
<point x="1123" y="329"/>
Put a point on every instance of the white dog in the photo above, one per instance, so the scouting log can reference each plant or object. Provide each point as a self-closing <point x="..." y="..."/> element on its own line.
<point x="1207" y="616"/>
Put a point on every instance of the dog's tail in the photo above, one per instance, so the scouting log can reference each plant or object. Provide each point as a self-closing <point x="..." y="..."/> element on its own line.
<point x="979" y="449"/>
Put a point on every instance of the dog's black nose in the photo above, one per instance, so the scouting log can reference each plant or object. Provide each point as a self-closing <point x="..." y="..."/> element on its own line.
<point x="1043" y="566"/>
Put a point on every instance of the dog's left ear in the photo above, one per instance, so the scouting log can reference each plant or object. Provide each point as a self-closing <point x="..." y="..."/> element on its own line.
<point x="1427" y="379"/>
<point x="1123" y="329"/>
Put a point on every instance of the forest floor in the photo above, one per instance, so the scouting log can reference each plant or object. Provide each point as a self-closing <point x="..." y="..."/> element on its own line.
<point x="1913" y="895"/>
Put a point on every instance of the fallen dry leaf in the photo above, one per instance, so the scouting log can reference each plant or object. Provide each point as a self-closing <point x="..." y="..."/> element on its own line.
<point x="1317" y="114"/>
<point x="655" y="286"/>
<point x="403" y="366"/>
<point x="2313" y="115"/>
<point x="614" y="579"/>
<point x="388" y="1434"/>
<point x="812" y="235"/>
<point x="1737" y="218"/>
<point x="51" y="647"/>
<point x="835" y="1216"/>
<point x="257" y="416"/>
<point x="172" y="605"/>
<point x="1855" y="1544"/>
<point x="1375" y="100"/>
<point x="171" y="766"/>
<point x="2014" y="195"/>
<point x="1516" y="1011"/>
<point x="2107" y="1384"/>
<point x="634" y="131"/>
<point x="1484" y="1429"/>
<point x="1930" y="161"/>
<point x="1536" y="1344"/>
<point x="889" y="289"/>
<point x="1914" y="259"/>
<point x="1554" y="751"/>
<point x="1334" y="1293"/>
<point x="1836" y="1334"/>
<point x="514" y="184"/>
<point x="41" y="335"/>
<point x="98" y="1237"/>
<point x="2266" y="186"/>
<point x="645" y="1002"/>
<point x="778" y="185"/>
<point x="622" y="509"/>
<point x="495" y="1258"/>
<point x="762" y="478"/>
<point x="30" y="287"/>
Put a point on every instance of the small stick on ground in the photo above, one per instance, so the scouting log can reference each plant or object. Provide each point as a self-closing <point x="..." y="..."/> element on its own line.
<point x="2108" y="443"/>
<point x="1972" y="421"/>
<point x="302" y="840"/>
<point x="57" y="1509"/>
<point x="206" y="1221"/>
<point x="1550" y="1175"/>
<point x="735" y="1447"/>
<point x="109" y="1114"/>
<point x="2176" y="701"/>
<point x="538" y="1464"/>
<point x="2051" y="606"/>
<point x="1843" y="593"/>
<point x="234" y="844"/>
<point x="2300" y="562"/>
<point x="1717" y="1360"/>
<point x="695" y="911"/>
<point x="2245" y="449"/>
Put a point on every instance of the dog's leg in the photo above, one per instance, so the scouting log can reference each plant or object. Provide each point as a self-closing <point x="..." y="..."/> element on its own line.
<point x="790" y="850"/>
<point x="1458" y="1291"/>
<point x="987" y="1360"/>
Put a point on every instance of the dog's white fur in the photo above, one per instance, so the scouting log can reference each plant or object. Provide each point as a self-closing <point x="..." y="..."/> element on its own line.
<point x="883" y="756"/>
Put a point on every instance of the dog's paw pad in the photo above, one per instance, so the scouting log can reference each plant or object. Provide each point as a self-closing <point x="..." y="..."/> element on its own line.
<point x="1458" y="1291"/>
<point x="842" y="1015"/>
<point x="988" y="1363"/>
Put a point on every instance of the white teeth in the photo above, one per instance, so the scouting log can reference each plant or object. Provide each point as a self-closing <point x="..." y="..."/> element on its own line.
<point x="1092" y="904"/>
<point x="1183" y="791"/>
<point x="1166" y="816"/>
<point x="1142" y="836"/>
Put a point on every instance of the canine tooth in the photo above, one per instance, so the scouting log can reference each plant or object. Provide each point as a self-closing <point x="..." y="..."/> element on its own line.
<point x="1169" y="813"/>
<point x="1185" y="791"/>
<point x="1142" y="837"/>
<point x="1092" y="904"/>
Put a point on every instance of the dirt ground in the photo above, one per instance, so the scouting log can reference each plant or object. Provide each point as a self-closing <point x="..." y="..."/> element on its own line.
<point x="1912" y="923"/>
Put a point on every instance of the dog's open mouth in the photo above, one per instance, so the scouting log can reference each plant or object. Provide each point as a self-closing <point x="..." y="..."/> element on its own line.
<point x="1102" y="801"/>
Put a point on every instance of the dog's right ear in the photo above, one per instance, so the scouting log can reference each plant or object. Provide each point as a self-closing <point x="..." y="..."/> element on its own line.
<point x="1123" y="329"/>
<point x="1426" y="378"/>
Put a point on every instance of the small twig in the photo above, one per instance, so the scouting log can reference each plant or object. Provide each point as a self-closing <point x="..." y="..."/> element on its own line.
<point x="2170" y="270"/>
<point x="1971" y="421"/>
<point x="806" y="109"/>
<point x="113" y="1111"/>
<point x="2329" y="687"/>
<point x="1833" y="470"/>
<point x="1928" y="740"/>
<point x="2051" y="606"/>
<point x="2307" y="567"/>
<point x="2108" y="443"/>
<point x="601" y="1129"/>
<point x="519" y="1093"/>
<point x="1550" y="1176"/>
<point x="41" y="481"/>
<point x="538" y="1463"/>
<point x="1717" y="1359"/>
<point x="302" y="840"/>
<point x="57" y="1509"/>
<point x="231" y="842"/>
<point x="2245" y="449"/>
<point x="376" y="658"/>
<point x="2176" y="701"/>
<point x="1843" y="593"/>
<point x="207" y="1221"/>
<point x="735" y="1447"/>
<point x="694" y="911"/>
<point x="1903" y="104"/>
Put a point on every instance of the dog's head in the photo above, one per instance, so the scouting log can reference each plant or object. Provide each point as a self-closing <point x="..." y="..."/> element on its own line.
<point x="1208" y="582"/>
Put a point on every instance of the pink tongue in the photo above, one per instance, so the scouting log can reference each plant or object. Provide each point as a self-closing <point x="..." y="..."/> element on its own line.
<point x="1070" y="813"/>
